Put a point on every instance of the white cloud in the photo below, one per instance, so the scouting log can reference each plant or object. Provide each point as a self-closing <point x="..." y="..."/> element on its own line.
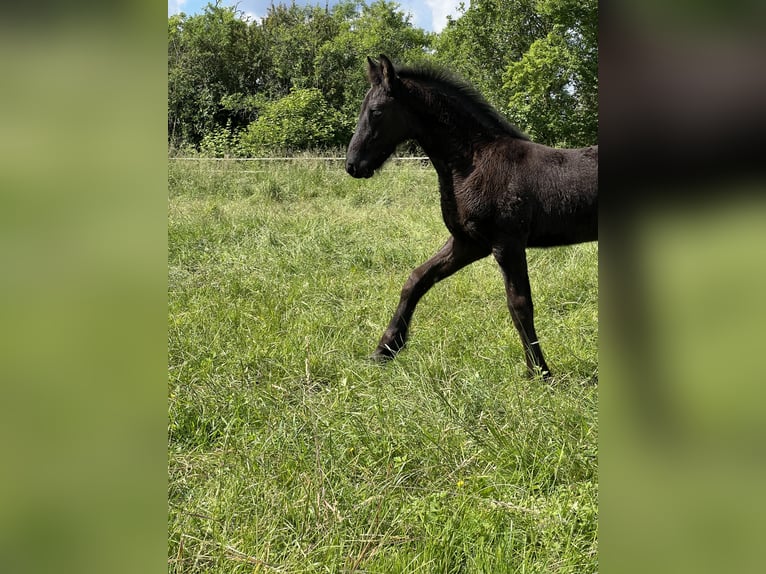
<point x="440" y="9"/>
<point x="255" y="9"/>
<point x="252" y="17"/>
<point x="175" y="6"/>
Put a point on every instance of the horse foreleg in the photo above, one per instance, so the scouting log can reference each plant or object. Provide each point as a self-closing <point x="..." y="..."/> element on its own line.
<point x="513" y="263"/>
<point x="452" y="257"/>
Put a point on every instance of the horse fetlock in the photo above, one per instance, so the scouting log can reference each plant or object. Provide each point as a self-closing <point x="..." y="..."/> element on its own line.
<point x="381" y="356"/>
<point x="393" y="341"/>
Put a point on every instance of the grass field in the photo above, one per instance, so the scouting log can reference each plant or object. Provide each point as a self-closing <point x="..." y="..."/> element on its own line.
<point x="290" y="452"/>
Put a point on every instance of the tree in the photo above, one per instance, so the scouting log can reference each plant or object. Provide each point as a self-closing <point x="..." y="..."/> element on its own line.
<point x="293" y="36"/>
<point x="488" y="36"/>
<point x="535" y="60"/>
<point x="210" y="56"/>
<point x="553" y="88"/>
<point x="366" y="31"/>
<point x="225" y="72"/>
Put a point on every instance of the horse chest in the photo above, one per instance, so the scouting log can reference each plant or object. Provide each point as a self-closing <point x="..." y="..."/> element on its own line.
<point x="465" y="211"/>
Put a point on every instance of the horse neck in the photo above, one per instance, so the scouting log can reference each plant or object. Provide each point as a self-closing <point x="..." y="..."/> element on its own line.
<point x="447" y="134"/>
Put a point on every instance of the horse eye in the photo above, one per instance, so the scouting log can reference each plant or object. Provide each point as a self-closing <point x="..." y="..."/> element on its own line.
<point x="376" y="113"/>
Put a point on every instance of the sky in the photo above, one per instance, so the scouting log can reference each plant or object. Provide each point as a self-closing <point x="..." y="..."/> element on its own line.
<point x="430" y="15"/>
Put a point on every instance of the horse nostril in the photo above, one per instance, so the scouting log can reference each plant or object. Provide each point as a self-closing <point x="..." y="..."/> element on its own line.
<point x="350" y="168"/>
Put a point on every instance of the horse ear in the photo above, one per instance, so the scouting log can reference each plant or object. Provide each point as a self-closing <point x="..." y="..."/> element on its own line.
<point x="390" y="79"/>
<point x="373" y="72"/>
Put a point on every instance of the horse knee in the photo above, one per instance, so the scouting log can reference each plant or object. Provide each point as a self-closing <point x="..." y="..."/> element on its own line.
<point x="521" y="306"/>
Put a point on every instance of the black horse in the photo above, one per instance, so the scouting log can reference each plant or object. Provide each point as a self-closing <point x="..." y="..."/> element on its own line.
<point x="500" y="192"/>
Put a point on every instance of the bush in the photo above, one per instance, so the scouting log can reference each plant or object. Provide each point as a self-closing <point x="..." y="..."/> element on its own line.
<point x="300" y="120"/>
<point x="220" y="142"/>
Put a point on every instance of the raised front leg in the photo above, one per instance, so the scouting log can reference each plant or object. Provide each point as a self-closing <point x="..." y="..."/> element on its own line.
<point x="452" y="257"/>
<point x="513" y="263"/>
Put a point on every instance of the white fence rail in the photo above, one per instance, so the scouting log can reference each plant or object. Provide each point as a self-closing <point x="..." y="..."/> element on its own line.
<point x="297" y="158"/>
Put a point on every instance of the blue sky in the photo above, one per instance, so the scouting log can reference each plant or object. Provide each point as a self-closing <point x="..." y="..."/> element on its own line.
<point x="430" y="15"/>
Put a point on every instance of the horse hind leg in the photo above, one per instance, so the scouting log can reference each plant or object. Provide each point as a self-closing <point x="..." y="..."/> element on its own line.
<point x="452" y="257"/>
<point x="513" y="264"/>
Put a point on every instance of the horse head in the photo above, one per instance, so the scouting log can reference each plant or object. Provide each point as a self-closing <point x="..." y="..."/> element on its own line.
<point x="383" y="121"/>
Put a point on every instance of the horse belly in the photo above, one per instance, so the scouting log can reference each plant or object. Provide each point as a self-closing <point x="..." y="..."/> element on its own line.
<point x="562" y="230"/>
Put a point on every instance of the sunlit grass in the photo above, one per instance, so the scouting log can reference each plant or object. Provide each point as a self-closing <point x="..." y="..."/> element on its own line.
<point x="290" y="452"/>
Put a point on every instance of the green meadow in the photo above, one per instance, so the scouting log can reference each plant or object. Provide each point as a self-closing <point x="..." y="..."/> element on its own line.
<point x="289" y="451"/>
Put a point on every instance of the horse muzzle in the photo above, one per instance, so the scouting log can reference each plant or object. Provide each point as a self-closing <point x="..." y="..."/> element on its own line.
<point x="358" y="170"/>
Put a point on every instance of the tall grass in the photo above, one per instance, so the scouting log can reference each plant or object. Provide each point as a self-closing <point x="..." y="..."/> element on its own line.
<point x="290" y="452"/>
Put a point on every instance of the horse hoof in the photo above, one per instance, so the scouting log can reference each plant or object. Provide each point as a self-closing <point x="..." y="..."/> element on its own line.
<point x="382" y="355"/>
<point x="544" y="374"/>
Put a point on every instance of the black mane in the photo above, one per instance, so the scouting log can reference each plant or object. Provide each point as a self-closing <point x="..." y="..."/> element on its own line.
<point x="466" y="96"/>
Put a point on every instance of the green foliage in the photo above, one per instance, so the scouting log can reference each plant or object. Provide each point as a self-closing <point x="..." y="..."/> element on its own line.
<point x="294" y="35"/>
<point x="289" y="451"/>
<point x="552" y="89"/>
<point x="485" y="38"/>
<point x="378" y="28"/>
<point x="218" y="142"/>
<point x="535" y="60"/>
<point x="225" y="71"/>
<point x="301" y="120"/>
<point x="210" y="57"/>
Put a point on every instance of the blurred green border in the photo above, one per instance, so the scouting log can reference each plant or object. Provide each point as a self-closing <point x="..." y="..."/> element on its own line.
<point x="83" y="243"/>
<point x="83" y="305"/>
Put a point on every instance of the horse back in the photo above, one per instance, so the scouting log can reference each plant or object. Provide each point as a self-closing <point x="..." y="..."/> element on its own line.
<point x="549" y="195"/>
